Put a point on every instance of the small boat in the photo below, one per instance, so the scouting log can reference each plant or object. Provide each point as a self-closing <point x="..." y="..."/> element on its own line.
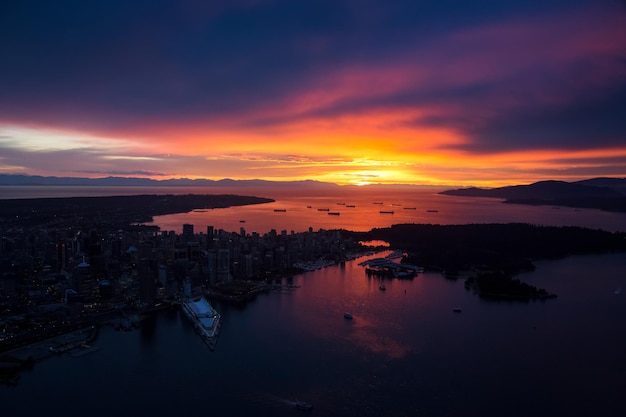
<point x="308" y="206"/>
<point x="333" y="213"/>
<point x="432" y="211"/>
<point x="377" y="202"/>
<point x="386" y="212"/>
<point x="382" y="287"/>
<point x="410" y="208"/>
<point x="280" y="210"/>
<point x="302" y="405"/>
<point x="347" y="315"/>
<point x="456" y="310"/>
<point x="341" y="204"/>
<point x="351" y="206"/>
<point x="242" y="221"/>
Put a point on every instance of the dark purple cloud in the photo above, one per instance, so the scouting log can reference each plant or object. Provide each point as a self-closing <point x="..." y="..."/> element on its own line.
<point x="117" y="65"/>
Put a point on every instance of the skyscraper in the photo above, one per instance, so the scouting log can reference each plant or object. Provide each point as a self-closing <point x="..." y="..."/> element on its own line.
<point x="187" y="232"/>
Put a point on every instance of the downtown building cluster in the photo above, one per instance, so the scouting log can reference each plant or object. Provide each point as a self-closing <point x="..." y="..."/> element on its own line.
<point x="70" y="276"/>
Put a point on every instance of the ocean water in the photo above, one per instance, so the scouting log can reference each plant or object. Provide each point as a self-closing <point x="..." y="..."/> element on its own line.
<point x="405" y="353"/>
<point x="425" y="206"/>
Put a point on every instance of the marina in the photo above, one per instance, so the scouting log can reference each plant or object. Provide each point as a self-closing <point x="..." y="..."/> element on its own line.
<point x="386" y="267"/>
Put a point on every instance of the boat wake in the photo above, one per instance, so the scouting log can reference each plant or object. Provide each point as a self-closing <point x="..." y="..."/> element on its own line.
<point x="276" y="401"/>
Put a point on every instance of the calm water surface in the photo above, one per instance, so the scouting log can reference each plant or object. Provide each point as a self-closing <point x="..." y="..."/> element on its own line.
<point x="365" y="215"/>
<point x="425" y="206"/>
<point x="405" y="353"/>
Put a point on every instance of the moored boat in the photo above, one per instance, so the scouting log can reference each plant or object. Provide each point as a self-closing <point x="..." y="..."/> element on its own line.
<point x="205" y="318"/>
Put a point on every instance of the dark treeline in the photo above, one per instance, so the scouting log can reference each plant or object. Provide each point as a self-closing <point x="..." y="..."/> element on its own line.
<point x="509" y="248"/>
<point x="125" y="209"/>
<point x="497" y="285"/>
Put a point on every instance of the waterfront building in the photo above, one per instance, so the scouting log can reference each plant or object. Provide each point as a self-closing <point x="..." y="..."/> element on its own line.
<point x="187" y="287"/>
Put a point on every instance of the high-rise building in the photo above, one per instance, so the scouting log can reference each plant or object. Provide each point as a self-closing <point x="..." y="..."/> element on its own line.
<point x="212" y="266"/>
<point x="61" y="257"/>
<point x="147" y="278"/>
<point x="248" y="270"/>
<point x="223" y="265"/>
<point x="187" y="232"/>
<point x="210" y="235"/>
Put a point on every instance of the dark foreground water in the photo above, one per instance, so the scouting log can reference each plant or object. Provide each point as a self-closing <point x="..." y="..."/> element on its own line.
<point x="405" y="353"/>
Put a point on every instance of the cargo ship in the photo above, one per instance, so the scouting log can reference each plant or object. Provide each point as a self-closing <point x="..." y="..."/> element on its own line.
<point x="204" y="317"/>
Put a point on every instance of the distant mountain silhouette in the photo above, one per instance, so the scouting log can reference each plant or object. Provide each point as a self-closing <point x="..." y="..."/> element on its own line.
<point x="601" y="193"/>
<point x="617" y="184"/>
<point x="6" y="179"/>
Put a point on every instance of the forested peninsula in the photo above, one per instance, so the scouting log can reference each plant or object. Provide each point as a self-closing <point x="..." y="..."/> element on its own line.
<point x="608" y="194"/>
<point x="493" y="253"/>
<point x="122" y="210"/>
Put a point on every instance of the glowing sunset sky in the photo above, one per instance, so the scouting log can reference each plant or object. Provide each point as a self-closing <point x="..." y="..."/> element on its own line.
<point x="346" y="91"/>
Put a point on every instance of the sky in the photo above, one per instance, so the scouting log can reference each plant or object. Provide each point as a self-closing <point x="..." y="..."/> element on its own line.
<point x="485" y="93"/>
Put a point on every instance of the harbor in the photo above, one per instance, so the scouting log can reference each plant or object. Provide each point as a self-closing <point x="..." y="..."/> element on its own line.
<point x="387" y="267"/>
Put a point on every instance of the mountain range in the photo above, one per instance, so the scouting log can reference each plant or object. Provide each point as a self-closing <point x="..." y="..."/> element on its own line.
<point x="11" y="179"/>
<point x="601" y="193"/>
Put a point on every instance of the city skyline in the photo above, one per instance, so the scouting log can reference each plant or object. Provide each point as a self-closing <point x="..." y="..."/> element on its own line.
<point x="485" y="94"/>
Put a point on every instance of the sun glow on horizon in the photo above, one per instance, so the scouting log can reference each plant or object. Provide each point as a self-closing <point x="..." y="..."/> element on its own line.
<point x="343" y="163"/>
